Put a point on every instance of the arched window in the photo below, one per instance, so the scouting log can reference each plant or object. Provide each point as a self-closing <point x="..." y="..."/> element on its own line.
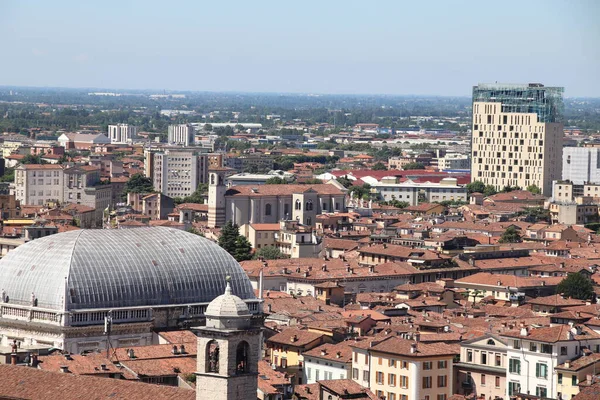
<point x="212" y="357"/>
<point x="309" y="205"/>
<point x="268" y="209"/>
<point x="491" y="342"/>
<point x="298" y="205"/>
<point x="242" y="357"/>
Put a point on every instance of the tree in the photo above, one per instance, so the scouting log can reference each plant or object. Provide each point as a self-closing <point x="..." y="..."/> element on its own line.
<point x="345" y="181"/>
<point x="243" y="249"/>
<point x="379" y="167"/>
<point x="489" y="190"/>
<point x="313" y="181"/>
<point x="276" y="181"/>
<point x="32" y="159"/>
<point x="195" y="231"/>
<point x="207" y="127"/>
<point x="234" y="243"/>
<point x="138" y="183"/>
<point x="414" y="165"/>
<point x="576" y="286"/>
<point x="475" y="187"/>
<point x="269" y="253"/>
<point x="198" y="195"/>
<point x="510" y="235"/>
<point x="534" y="189"/>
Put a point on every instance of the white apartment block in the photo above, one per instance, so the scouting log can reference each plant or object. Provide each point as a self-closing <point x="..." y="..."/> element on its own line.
<point x="181" y="135"/>
<point x="177" y="173"/>
<point x="454" y="162"/>
<point x="446" y="190"/>
<point x="533" y="355"/>
<point x="122" y="133"/>
<point x="516" y="136"/>
<point x="581" y="165"/>
<point x="39" y="184"/>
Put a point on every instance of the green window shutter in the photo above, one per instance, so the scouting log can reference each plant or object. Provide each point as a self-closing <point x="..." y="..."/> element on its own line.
<point x="537" y="371"/>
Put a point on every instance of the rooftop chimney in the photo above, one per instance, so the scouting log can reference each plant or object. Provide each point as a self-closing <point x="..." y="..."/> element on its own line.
<point x="324" y="267"/>
<point x="524" y="331"/>
<point x="413" y="348"/>
<point x="294" y="339"/>
<point x="103" y="367"/>
<point x="372" y="268"/>
<point x="64" y="369"/>
<point x="175" y="350"/>
<point x="130" y="353"/>
<point x="34" y="360"/>
<point x="323" y="352"/>
<point x="338" y="354"/>
<point x="182" y="349"/>
<point x="567" y="364"/>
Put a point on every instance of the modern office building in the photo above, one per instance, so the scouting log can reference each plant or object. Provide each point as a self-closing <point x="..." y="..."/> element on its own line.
<point x="517" y="135"/>
<point x="178" y="172"/>
<point x="181" y="135"/>
<point x="581" y="165"/>
<point x="122" y="133"/>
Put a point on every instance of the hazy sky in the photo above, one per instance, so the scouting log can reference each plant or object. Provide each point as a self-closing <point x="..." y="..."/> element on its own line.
<point x="394" y="47"/>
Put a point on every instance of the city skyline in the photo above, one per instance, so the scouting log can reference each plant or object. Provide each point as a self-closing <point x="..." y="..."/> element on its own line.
<point x="429" y="49"/>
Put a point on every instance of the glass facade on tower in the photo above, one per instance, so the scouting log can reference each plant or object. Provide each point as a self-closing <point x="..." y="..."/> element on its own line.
<point x="546" y="102"/>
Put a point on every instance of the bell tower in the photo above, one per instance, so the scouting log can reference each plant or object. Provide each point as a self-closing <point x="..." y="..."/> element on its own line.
<point x="216" y="196"/>
<point x="229" y="348"/>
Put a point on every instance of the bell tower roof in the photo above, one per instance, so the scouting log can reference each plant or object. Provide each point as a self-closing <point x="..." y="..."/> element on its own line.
<point x="227" y="305"/>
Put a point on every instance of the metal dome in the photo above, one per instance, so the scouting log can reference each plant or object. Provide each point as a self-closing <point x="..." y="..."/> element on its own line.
<point x="89" y="269"/>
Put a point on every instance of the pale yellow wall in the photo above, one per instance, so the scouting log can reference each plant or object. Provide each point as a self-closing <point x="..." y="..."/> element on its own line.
<point x="512" y="160"/>
<point x="412" y="369"/>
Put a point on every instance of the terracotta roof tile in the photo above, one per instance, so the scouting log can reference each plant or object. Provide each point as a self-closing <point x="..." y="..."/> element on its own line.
<point x="30" y="383"/>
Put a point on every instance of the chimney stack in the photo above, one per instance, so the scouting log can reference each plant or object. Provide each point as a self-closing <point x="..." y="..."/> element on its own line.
<point x="64" y="369"/>
<point x="413" y="348"/>
<point x="524" y="331"/>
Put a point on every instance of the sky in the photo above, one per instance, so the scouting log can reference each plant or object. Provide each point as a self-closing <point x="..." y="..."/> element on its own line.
<point x="402" y="47"/>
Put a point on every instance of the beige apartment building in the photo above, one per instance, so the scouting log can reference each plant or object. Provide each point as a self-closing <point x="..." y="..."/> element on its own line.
<point x="517" y="135"/>
<point x="39" y="184"/>
<point x="482" y="367"/>
<point x="402" y="369"/>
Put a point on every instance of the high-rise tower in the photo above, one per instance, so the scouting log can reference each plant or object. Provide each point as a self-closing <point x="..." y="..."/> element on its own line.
<point x="517" y="135"/>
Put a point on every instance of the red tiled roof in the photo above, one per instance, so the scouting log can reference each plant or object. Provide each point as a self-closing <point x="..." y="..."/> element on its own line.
<point x="281" y="190"/>
<point x="17" y="382"/>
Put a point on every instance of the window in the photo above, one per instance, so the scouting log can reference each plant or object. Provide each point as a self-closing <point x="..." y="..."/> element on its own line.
<point x="498" y="360"/>
<point x="560" y="379"/>
<point x="268" y="209"/>
<point x="380" y="378"/>
<point x="354" y="373"/>
<point x="533" y="346"/>
<point x="392" y="379"/>
<point x="483" y="358"/>
<point x="441" y="397"/>
<point x="469" y="356"/>
<point x="516" y="344"/>
<point x="514" y="366"/>
<point x="541" y="370"/>
<point x="541" y="391"/>
<point x="442" y="364"/>
<point x="403" y="381"/>
<point x="308" y="373"/>
<point x="563" y="350"/>
<point x="427" y="382"/>
<point x="574" y="380"/>
<point x="391" y="396"/>
<point x="365" y="376"/>
<point x="546" y="348"/>
<point x="392" y="362"/>
<point x="513" y="388"/>
<point x="482" y="379"/>
<point x="497" y="381"/>
<point x="442" y="381"/>
<point x="284" y="364"/>
<point x="491" y="342"/>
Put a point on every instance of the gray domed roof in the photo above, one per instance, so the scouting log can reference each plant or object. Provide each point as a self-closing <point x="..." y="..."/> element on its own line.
<point x="120" y="268"/>
<point x="227" y="305"/>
